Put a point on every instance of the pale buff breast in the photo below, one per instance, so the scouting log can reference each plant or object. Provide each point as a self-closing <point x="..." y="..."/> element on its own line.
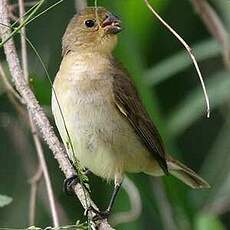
<point x="102" y="138"/>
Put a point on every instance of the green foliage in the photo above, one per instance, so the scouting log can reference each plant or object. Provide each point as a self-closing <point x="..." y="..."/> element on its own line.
<point x="192" y="106"/>
<point x="181" y="61"/>
<point x="208" y="222"/>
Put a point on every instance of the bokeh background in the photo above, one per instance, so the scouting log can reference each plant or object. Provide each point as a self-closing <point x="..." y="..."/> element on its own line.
<point x="170" y="89"/>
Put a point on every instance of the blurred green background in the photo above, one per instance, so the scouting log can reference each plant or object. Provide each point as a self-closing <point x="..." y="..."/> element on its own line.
<point x="171" y="91"/>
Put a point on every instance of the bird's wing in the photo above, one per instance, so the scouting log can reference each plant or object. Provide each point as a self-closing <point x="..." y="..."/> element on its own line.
<point x="129" y="104"/>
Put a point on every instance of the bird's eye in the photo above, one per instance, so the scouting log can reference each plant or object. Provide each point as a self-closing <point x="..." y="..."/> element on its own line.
<point x="90" y="23"/>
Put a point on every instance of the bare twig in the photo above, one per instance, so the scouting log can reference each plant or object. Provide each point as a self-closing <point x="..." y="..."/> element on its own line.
<point x="13" y="7"/>
<point x="215" y="26"/>
<point x="20" y="142"/>
<point x="163" y="205"/>
<point x="27" y="4"/>
<point x="19" y="108"/>
<point x="37" y="113"/>
<point x="188" y="48"/>
<point x="8" y="86"/>
<point x="42" y="161"/>
<point x="33" y="194"/>
<point x="80" y="4"/>
<point x="135" y="201"/>
<point x="41" y="194"/>
<point x="36" y="139"/>
<point x="12" y="15"/>
<point x="211" y="20"/>
<point x="23" y="40"/>
<point x="13" y="95"/>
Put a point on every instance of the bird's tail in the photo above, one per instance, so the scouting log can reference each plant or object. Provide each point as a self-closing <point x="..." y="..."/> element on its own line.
<point x="186" y="175"/>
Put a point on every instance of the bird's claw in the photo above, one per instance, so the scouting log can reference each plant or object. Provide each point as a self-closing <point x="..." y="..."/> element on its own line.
<point x="68" y="183"/>
<point x="99" y="215"/>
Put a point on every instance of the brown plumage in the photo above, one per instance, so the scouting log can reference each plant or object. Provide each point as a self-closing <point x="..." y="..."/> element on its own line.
<point x="110" y="130"/>
<point x="128" y="102"/>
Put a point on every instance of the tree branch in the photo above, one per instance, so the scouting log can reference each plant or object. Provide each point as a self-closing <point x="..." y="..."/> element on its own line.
<point x="36" y="138"/>
<point x="38" y="115"/>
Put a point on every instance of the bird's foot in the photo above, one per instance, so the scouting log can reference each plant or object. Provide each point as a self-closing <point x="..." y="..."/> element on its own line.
<point x="70" y="182"/>
<point x="99" y="215"/>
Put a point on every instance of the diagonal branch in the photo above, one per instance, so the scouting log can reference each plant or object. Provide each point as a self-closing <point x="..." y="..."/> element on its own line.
<point x="38" y="115"/>
<point x="214" y="25"/>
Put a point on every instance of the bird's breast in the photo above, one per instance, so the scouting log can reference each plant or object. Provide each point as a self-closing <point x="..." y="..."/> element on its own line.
<point x="102" y="138"/>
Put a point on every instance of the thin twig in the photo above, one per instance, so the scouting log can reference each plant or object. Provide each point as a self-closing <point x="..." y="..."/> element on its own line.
<point x="38" y="114"/>
<point x="13" y="95"/>
<point x="23" y="40"/>
<point x="211" y="20"/>
<point x="27" y="4"/>
<point x="36" y="139"/>
<point x="33" y="194"/>
<point x="20" y="141"/>
<point x="135" y="201"/>
<point x="215" y="26"/>
<point x="12" y="13"/>
<point x="8" y="86"/>
<point x="188" y="48"/>
<point x="42" y="161"/>
<point x="164" y="207"/>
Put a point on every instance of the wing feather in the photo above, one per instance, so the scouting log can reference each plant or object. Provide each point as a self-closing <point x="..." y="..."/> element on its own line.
<point x="129" y="104"/>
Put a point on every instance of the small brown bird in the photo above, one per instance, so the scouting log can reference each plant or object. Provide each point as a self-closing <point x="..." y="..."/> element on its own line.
<point x="110" y="130"/>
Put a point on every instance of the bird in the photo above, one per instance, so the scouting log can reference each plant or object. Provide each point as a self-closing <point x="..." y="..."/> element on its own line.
<point x="96" y="105"/>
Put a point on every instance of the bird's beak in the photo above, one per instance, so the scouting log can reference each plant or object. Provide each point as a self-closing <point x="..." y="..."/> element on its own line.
<point x="111" y="25"/>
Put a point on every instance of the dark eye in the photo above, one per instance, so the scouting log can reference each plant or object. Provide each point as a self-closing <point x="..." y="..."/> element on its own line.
<point x="90" y="23"/>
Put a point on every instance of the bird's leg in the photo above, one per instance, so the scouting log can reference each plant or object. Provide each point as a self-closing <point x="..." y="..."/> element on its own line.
<point x="113" y="197"/>
<point x="107" y="212"/>
<point x="73" y="180"/>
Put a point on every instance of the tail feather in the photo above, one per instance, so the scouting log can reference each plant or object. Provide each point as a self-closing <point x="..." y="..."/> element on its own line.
<point x="186" y="175"/>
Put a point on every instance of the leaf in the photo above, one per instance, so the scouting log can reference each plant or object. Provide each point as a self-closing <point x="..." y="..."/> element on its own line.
<point x="5" y="200"/>
<point x="208" y="222"/>
<point x="193" y="105"/>
<point x="180" y="61"/>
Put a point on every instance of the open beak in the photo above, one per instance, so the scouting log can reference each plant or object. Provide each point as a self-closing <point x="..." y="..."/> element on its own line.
<point x="111" y="25"/>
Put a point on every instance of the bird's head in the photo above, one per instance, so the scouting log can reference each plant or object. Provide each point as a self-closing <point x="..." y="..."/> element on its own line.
<point x="92" y="30"/>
